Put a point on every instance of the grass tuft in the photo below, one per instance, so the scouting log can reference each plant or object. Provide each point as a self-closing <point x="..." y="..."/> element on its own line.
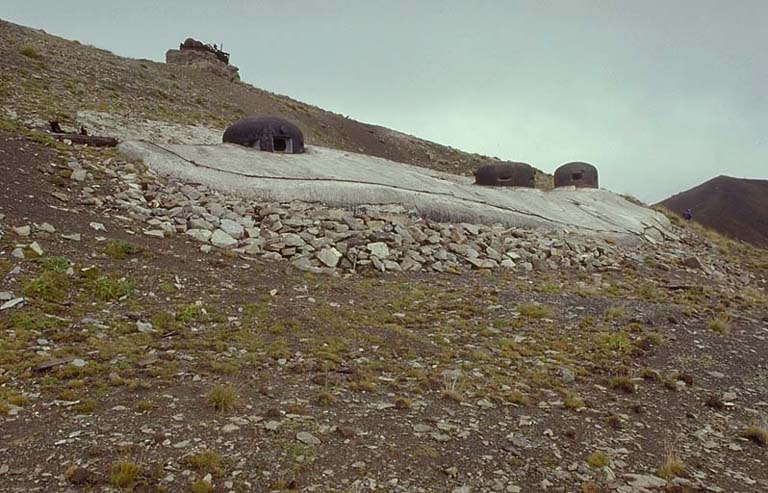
<point x="534" y="310"/>
<point x="106" y="288"/>
<point x="720" y="324"/>
<point x="206" y="461"/>
<point x="671" y="467"/>
<point x="31" y="52"/>
<point x="403" y="403"/>
<point x="223" y="397"/>
<point x="123" y="473"/>
<point x="757" y="434"/>
<point x="598" y="458"/>
<point x="50" y="286"/>
<point x="325" y="399"/>
<point x="573" y="401"/>
<point x="623" y="384"/>
<point x="201" y="487"/>
<point x="120" y="250"/>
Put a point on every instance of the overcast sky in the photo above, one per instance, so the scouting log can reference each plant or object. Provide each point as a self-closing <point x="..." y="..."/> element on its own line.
<point x="660" y="94"/>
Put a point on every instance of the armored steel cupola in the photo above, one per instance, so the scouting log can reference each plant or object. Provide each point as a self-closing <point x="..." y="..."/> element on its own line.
<point x="270" y="134"/>
<point x="577" y="174"/>
<point x="506" y="174"/>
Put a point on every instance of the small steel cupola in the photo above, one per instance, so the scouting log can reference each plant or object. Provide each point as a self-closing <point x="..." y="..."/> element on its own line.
<point x="269" y="134"/>
<point x="576" y="174"/>
<point x="506" y="174"/>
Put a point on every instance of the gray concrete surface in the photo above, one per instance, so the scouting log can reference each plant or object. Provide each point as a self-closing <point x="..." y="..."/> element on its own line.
<point x="344" y="179"/>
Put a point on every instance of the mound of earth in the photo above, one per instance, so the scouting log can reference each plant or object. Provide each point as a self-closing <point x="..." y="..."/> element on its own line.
<point x="734" y="207"/>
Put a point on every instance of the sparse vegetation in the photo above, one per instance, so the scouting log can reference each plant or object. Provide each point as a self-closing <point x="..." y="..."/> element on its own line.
<point x="120" y="250"/>
<point x="325" y="399"/>
<point x="573" y="401"/>
<point x="757" y="434"/>
<point x="86" y="406"/>
<point x="124" y="473"/>
<point x="614" y="313"/>
<point x="623" y="384"/>
<point x="106" y="288"/>
<point x="223" y="397"/>
<point x="720" y="324"/>
<point x="403" y="403"/>
<point x="31" y="52"/>
<point x="50" y="286"/>
<point x="451" y="388"/>
<point x="201" y="487"/>
<point x="598" y="458"/>
<point x="206" y="461"/>
<point x="672" y="466"/>
<point x="534" y="310"/>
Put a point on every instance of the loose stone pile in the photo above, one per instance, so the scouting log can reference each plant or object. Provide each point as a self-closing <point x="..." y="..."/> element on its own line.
<point x="319" y="239"/>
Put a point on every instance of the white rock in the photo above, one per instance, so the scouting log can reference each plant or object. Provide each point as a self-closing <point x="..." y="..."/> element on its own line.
<point x="222" y="240"/>
<point x="23" y="230"/>
<point x="232" y="228"/>
<point x="486" y="404"/>
<point x="304" y="264"/>
<point x="35" y="247"/>
<point x="78" y="363"/>
<point x="97" y="226"/>
<point x="144" y="327"/>
<point x="202" y="235"/>
<point x="645" y="481"/>
<point x="46" y="227"/>
<point x="379" y="249"/>
<point x="293" y="240"/>
<point x="307" y="438"/>
<point x="72" y="237"/>
<point x="18" y="252"/>
<point x="11" y="303"/>
<point x="79" y="175"/>
<point x="6" y="295"/>
<point x="329" y="256"/>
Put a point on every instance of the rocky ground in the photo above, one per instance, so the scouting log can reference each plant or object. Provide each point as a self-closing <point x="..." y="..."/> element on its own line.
<point x="158" y="336"/>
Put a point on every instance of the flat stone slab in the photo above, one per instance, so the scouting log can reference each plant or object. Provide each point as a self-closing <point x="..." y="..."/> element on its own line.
<point x="346" y="179"/>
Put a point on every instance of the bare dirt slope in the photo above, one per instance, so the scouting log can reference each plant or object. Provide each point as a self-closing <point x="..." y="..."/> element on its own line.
<point x="51" y="77"/>
<point x="734" y="207"/>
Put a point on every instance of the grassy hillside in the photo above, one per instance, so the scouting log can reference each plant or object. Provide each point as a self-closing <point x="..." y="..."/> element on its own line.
<point x="49" y="77"/>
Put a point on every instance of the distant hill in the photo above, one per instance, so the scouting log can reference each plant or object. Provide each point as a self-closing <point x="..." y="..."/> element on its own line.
<point x="735" y="207"/>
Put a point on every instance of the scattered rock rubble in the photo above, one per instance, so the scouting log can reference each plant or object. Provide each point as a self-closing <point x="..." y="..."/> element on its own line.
<point x="319" y="239"/>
